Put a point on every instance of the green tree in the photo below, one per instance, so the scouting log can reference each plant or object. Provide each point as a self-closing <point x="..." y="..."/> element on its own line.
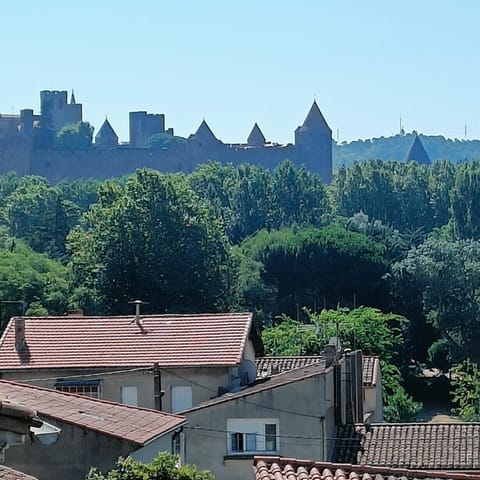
<point x="302" y="268"/>
<point x="444" y="276"/>
<point x="163" y="140"/>
<point x="74" y="136"/>
<point x="163" y="467"/>
<point x="152" y="239"/>
<point x="466" y="390"/>
<point x="32" y="278"/>
<point x="366" y="329"/>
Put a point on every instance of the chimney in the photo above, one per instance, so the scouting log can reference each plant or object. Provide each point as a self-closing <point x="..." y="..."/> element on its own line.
<point x="137" y="304"/>
<point x="330" y="354"/>
<point x="19" y="333"/>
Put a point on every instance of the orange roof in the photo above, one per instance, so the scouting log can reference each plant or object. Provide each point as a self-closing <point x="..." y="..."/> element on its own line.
<point x="170" y="340"/>
<point x="278" y="468"/>
<point x="10" y="474"/>
<point x="134" y="424"/>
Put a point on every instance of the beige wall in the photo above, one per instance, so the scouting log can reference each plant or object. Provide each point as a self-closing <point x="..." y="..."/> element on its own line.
<point x="74" y="453"/>
<point x="300" y="436"/>
<point x="374" y="400"/>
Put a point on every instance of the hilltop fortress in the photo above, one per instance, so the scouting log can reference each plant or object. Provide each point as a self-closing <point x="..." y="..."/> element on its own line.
<point x="27" y="145"/>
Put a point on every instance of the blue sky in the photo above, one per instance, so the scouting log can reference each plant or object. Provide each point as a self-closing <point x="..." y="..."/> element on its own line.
<point x="238" y="62"/>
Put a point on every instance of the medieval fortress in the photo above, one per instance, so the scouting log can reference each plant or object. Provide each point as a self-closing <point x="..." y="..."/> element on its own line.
<point x="27" y="147"/>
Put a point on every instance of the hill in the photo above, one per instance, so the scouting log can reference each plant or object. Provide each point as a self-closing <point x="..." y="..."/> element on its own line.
<point x="395" y="148"/>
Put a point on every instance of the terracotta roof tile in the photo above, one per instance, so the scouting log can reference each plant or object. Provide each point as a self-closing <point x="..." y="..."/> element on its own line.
<point x="134" y="424"/>
<point x="277" y="468"/>
<point x="10" y="474"/>
<point x="267" y="366"/>
<point x="425" y="446"/>
<point x="170" y="340"/>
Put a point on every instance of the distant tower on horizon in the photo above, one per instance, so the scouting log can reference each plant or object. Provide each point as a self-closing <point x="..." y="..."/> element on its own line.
<point x="417" y="152"/>
<point x="313" y="140"/>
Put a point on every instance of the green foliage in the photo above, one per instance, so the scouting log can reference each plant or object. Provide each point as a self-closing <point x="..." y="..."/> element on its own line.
<point x="32" y="278"/>
<point x="301" y="267"/>
<point x="466" y="390"/>
<point x="151" y="239"/>
<point x="367" y="329"/>
<point x="163" y="467"/>
<point x="74" y="136"/>
<point x="290" y="337"/>
<point x="446" y="277"/>
<point x="439" y="354"/>
<point x="164" y="141"/>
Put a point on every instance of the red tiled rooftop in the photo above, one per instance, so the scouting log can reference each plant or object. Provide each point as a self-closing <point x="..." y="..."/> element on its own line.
<point x="10" y="474"/>
<point x="424" y="446"/>
<point x="277" y="468"/>
<point x="170" y="340"/>
<point x="134" y="424"/>
<point x="272" y="365"/>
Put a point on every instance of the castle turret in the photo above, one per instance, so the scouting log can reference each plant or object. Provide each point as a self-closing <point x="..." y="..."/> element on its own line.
<point x="143" y="125"/>
<point x="56" y="112"/>
<point x="106" y="136"/>
<point x="417" y="152"/>
<point x="313" y="144"/>
<point x="256" y="137"/>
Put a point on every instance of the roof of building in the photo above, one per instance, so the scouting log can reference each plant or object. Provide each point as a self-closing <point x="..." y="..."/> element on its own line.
<point x="266" y="383"/>
<point x="10" y="474"/>
<point x="204" y="132"/>
<point x="315" y="120"/>
<point x="106" y="132"/>
<point x="133" y="424"/>
<point x="256" y="137"/>
<point x="170" y="340"/>
<point x="417" y="153"/>
<point x="277" y="468"/>
<point x="267" y="366"/>
<point x="425" y="446"/>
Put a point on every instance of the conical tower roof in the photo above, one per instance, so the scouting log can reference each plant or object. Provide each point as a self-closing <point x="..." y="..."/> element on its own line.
<point x="417" y="152"/>
<point x="106" y="135"/>
<point x="315" y="120"/>
<point x="256" y="137"/>
<point x="204" y="132"/>
<point x="72" y="98"/>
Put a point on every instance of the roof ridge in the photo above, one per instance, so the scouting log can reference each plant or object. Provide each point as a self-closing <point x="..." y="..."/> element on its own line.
<point x="85" y="398"/>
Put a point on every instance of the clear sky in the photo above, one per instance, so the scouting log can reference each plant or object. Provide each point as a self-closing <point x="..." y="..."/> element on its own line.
<point x="236" y="62"/>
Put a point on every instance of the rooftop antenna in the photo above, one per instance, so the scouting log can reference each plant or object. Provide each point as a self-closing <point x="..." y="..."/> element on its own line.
<point x="465" y="132"/>
<point x="137" y="304"/>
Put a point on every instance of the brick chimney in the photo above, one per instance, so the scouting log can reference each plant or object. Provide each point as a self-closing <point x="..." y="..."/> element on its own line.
<point x="20" y="340"/>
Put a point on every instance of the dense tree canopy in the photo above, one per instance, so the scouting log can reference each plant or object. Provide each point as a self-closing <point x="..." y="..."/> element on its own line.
<point x="74" y="136"/>
<point x="151" y="239"/>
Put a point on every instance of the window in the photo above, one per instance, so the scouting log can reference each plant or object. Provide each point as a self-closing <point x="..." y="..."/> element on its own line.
<point x="87" y="388"/>
<point x="249" y="435"/>
<point x="181" y="398"/>
<point x="129" y="395"/>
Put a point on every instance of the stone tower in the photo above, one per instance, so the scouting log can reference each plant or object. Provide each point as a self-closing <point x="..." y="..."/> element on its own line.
<point x="256" y="137"/>
<point x="56" y="112"/>
<point x="106" y="136"/>
<point x="313" y="144"/>
<point x="417" y="152"/>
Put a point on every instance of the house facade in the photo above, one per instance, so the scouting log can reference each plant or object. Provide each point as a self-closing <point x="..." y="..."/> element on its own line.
<point x="167" y="362"/>
<point x="371" y="374"/>
<point x="89" y="432"/>
<point x="290" y="414"/>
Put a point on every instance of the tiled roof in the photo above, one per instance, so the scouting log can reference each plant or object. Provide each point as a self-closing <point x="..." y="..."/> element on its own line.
<point x="133" y="424"/>
<point x="266" y="383"/>
<point x="276" y="468"/>
<point x="267" y="366"/>
<point x="170" y="340"/>
<point x="425" y="446"/>
<point x="370" y="366"/>
<point x="10" y="474"/>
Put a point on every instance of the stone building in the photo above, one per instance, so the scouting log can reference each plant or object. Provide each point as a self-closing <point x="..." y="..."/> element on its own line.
<point x="21" y="152"/>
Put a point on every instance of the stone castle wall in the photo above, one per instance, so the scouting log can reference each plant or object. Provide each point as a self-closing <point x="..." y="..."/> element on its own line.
<point x="98" y="163"/>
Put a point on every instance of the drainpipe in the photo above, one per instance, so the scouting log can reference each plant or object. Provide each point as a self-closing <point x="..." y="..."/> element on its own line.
<point x="323" y="446"/>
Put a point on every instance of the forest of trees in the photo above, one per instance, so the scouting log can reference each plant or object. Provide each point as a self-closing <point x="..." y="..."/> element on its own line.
<point x="396" y="146"/>
<point x="388" y="256"/>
